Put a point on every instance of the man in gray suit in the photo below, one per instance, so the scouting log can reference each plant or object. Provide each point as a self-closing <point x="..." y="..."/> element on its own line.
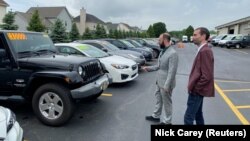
<point x="165" y="80"/>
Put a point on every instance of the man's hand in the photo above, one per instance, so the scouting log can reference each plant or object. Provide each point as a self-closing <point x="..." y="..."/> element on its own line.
<point x="144" y="68"/>
<point x="165" y="90"/>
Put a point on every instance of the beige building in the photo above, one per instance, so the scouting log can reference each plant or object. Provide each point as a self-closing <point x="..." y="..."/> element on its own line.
<point x="85" y="20"/>
<point x="122" y="27"/>
<point x="241" y="26"/>
<point x="48" y="16"/>
<point x="3" y="6"/>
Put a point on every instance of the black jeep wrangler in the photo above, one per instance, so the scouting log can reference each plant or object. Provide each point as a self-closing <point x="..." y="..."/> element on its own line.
<point x="30" y="67"/>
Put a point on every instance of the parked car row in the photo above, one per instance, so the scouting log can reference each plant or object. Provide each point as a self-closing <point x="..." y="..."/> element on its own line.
<point x="231" y="41"/>
<point x="53" y="77"/>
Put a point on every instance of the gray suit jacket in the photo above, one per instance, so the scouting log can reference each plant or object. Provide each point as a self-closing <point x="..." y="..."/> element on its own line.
<point x="166" y="69"/>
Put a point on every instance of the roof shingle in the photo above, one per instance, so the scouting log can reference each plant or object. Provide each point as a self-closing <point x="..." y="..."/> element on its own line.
<point x="3" y="3"/>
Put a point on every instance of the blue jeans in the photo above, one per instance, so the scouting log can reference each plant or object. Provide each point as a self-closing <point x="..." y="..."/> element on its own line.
<point x="194" y="110"/>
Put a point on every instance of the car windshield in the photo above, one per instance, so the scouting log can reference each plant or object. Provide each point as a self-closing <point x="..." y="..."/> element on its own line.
<point x="109" y="46"/>
<point x="28" y="44"/>
<point x="92" y="51"/>
<point x="128" y="44"/>
<point x="136" y="44"/>
<point x="238" y="37"/>
<point x="228" y="38"/>
<point x="151" y="42"/>
<point x="219" y="36"/>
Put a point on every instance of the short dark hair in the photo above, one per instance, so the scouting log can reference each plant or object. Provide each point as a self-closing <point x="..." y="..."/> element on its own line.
<point x="166" y="36"/>
<point x="203" y="31"/>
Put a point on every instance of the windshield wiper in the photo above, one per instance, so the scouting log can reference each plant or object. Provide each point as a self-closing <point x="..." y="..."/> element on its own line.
<point x="45" y="50"/>
<point x="28" y="52"/>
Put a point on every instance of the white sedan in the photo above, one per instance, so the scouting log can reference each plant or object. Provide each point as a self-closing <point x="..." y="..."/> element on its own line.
<point x="10" y="129"/>
<point x="119" y="68"/>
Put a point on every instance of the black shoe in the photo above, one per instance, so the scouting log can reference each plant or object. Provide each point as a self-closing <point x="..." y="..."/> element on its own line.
<point x="152" y="118"/>
<point x="162" y="123"/>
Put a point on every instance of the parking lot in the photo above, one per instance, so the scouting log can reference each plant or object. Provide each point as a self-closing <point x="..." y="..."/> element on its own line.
<point x="119" y="114"/>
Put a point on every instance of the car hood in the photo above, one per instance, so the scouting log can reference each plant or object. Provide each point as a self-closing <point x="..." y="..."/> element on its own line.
<point x="114" y="59"/>
<point x="121" y="52"/>
<point x="64" y="62"/>
<point x="2" y="114"/>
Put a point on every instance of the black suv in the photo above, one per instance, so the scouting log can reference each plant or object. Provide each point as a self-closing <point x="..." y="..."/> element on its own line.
<point x="239" y="41"/>
<point x="30" y="67"/>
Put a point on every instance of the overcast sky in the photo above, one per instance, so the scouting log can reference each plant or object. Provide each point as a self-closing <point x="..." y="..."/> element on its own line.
<point x="176" y="14"/>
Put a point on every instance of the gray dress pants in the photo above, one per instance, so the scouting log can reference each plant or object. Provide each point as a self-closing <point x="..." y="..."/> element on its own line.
<point x="163" y="100"/>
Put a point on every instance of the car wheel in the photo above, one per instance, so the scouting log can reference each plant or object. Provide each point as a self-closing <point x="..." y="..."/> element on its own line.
<point x="237" y="46"/>
<point x="52" y="104"/>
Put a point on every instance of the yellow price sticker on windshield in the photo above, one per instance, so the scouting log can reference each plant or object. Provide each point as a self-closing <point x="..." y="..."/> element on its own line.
<point x="46" y="35"/>
<point x="16" y="36"/>
<point x="83" y="47"/>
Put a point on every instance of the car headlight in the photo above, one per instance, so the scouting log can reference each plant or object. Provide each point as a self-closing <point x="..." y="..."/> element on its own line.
<point x="132" y="56"/>
<point x="80" y="70"/>
<point x="11" y="119"/>
<point x="120" y="66"/>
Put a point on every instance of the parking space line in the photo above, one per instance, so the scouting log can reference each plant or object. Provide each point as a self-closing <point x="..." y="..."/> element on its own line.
<point x="243" y="107"/>
<point x="231" y="81"/>
<point x="242" y="119"/>
<point x="104" y="94"/>
<point x="241" y="51"/>
<point x="237" y="90"/>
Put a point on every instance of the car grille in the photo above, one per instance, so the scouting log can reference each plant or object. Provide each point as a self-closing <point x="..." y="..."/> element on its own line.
<point x="92" y="71"/>
<point x="134" y="67"/>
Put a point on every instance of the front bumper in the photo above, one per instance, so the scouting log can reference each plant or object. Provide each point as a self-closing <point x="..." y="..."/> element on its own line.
<point x="123" y="75"/>
<point x="92" y="88"/>
<point x="140" y="62"/>
<point x="15" y="133"/>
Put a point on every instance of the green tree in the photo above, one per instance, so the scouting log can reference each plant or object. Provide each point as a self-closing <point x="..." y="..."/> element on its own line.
<point x="98" y="31"/>
<point x="35" y="23"/>
<point x="119" y="34"/>
<point x="189" y="31"/>
<point x="159" y="28"/>
<point x="58" y="33"/>
<point x="74" y="33"/>
<point x="124" y="34"/>
<point x="212" y="32"/>
<point x="87" y="34"/>
<point x="103" y="32"/>
<point x="116" y="34"/>
<point x="150" y="31"/>
<point x="176" y="34"/>
<point x="111" y="34"/>
<point x="8" y="21"/>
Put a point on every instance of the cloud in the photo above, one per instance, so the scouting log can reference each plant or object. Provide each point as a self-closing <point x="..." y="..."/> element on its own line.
<point x="176" y="14"/>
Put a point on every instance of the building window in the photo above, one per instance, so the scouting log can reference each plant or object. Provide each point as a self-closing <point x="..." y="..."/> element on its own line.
<point x="65" y="23"/>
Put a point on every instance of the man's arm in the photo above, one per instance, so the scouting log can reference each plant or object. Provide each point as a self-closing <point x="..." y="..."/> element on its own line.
<point x="206" y="70"/>
<point x="172" y="69"/>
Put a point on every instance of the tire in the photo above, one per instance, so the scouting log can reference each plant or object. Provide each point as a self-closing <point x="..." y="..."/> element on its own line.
<point x="237" y="46"/>
<point x="53" y="104"/>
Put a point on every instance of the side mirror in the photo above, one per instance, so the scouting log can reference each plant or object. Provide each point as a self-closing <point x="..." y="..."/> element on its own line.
<point x="244" y="38"/>
<point x="104" y="49"/>
<point x="2" y="53"/>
